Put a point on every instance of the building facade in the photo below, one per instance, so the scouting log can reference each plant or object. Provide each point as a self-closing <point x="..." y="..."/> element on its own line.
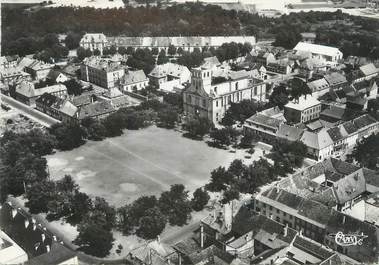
<point x="210" y="97"/>
<point x="302" y="110"/>
<point x="94" y="41"/>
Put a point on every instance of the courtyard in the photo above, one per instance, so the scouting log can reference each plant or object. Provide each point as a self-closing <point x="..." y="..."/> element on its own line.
<point x="143" y="162"/>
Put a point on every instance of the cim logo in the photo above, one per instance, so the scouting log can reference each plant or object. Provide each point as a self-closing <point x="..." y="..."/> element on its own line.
<point x="348" y="239"/>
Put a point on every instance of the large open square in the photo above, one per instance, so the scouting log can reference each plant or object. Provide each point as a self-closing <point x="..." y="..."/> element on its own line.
<point x="144" y="162"/>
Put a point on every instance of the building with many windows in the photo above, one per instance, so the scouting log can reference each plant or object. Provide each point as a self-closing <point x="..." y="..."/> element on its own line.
<point x="102" y="72"/>
<point x="94" y="41"/>
<point x="210" y="96"/>
<point x="302" y="110"/>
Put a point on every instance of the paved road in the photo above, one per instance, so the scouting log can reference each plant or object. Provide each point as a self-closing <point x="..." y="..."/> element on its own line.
<point x="28" y="111"/>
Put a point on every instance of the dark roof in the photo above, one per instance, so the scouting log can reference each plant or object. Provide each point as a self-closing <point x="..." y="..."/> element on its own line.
<point x="315" y="211"/>
<point x="335" y="134"/>
<point x="284" y="197"/>
<point x="265" y="120"/>
<point x="335" y="79"/>
<point x="187" y="246"/>
<point x="57" y="255"/>
<point x="50" y="100"/>
<point x="95" y="109"/>
<point x="312" y="248"/>
<point x="364" y="121"/>
<point x="349" y="127"/>
<point x="333" y="112"/>
<point x="209" y="254"/>
<point x="290" y="133"/>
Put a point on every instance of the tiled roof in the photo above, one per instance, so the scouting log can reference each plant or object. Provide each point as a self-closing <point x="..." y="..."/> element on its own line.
<point x="318" y="85"/>
<point x="27" y="89"/>
<point x="335" y="134"/>
<point x="363" y="121"/>
<point x="315" y="211"/>
<point x="350" y="127"/>
<point x="369" y="69"/>
<point x="69" y="109"/>
<point x="171" y="69"/>
<point x="50" y="100"/>
<point x="187" y="246"/>
<point x="288" y="132"/>
<point x="333" y="112"/>
<point x="58" y="254"/>
<point x="350" y="187"/>
<point x="95" y="109"/>
<point x="102" y="64"/>
<point x="265" y="120"/>
<point x="312" y="248"/>
<point x="134" y="77"/>
<point x="335" y="79"/>
<point x="317" y="140"/>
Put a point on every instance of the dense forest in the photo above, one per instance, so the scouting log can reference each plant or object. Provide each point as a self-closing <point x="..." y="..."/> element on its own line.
<point x="26" y="31"/>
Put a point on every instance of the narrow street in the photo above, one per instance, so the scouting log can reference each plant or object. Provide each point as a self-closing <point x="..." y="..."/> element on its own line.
<point x="30" y="112"/>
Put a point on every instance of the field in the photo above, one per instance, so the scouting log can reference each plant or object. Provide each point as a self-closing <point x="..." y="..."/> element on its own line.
<point x="144" y="162"/>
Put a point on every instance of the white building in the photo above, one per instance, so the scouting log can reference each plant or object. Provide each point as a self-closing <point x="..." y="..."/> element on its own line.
<point x="210" y="96"/>
<point x="330" y="54"/>
<point x="167" y="77"/>
<point x="133" y="81"/>
<point x="94" y="41"/>
<point x="10" y="252"/>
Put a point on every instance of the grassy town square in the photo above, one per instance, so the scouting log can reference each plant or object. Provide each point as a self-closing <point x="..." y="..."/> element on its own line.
<point x="143" y="162"/>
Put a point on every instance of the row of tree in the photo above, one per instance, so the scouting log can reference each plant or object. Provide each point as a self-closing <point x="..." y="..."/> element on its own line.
<point x="240" y="178"/>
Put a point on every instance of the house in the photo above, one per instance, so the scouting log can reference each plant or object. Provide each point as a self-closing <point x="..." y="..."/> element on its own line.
<point x="27" y="93"/>
<point x="210" y="96"/>
<point x="116" y="97"/>
<point x="101" y="72"/>
<point x="265" y="127"/>
<point x="10" y="252"/>
<point x="133" y="81"/>
<point x="168" y="76"/>
<point x="306" y="108"/>
<point x="335" y="80"/>
<point x="186" y="43"/>
<point x="281" y="66"/>
<point x="330" y="54"/>
<point x="264" y="58"/>
<point x="94" y="41"/>
<point x="57" y="77"/>
<point x="289" y="133"/>
<point x="366" y="72"/>
<point x="319" y="87"/>
<point x="152" y="253"/>
<point x="37" y="69"/>
<point x="319" y="144"/>
<point x="50" y="104"/>
<point x="96" y="110"/>
<point x="308" y="37"/>
<point x="57" y="255"/>
<point x="13" y="75"/>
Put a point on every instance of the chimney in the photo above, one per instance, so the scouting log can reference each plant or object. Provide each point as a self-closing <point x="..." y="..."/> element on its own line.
<point x="201" y="236"/>
<point x="54" y="238"/>
<point x="301" y="232"/>
<point x="43" y="237"/>
<point x="14" y="212"/>
<point x="343" y="219"/>
<point x="158" y="239"/>
<point x="26" y="223"/>
<point x="47" y="248"/>
<point x="285" y="230"/>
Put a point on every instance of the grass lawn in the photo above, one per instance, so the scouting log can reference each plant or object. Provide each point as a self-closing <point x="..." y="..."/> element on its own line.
<point x="144" y="162"/>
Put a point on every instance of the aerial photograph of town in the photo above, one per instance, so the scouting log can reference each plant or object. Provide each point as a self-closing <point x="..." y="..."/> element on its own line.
<point x="189" y="132"/>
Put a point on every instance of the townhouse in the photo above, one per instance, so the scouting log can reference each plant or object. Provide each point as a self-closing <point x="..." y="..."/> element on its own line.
<point x="170" y="77"/>
<point x="330" y="55"/>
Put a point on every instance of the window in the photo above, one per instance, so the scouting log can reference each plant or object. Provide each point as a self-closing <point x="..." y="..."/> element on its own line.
<point x="277" y="210"/>
<point x="222" y="102"/>
<point x="217" y="104"/>
<point x="255" y="91"/>
<point x="189" y="99"/>
<point x="215" y="90"/>
<point x="237" y="86"/>
<point x="204" y="103"/>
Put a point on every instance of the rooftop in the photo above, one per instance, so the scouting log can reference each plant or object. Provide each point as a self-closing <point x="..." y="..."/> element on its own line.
<point x="317" y="49"/>
<point x="303" y="103"/>
<point x="133" y="77"/>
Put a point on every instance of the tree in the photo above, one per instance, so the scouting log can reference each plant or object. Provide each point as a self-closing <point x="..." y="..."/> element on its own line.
<point x="96" y="52"/>
<point x="220" y="178"/>
<point x="155" y="51"/>
<point x="240" y="112"/>
<point x="168" y="117"/>
<point x="221" y="137"/>
<point x="366" y="152"/>
<point x="50" y="40"/>
<point x="72" y="40"/>
<point x="69" y="136"/>
<point x="175" y="205"/>
<point x="83" y="53"/>
<point x="299" y="88"/>
<point x="39" y="194"/>
<point x="200" y="199"/>
<point x="94" y="240"/>
<point x="197" y="127"/>
<point x="171" y="50"/>
<point x="122" y="50"/>
<point x="162" y="58"/>
<point x="103" y="214"/>
<point x="73" y="87"/>
<point x="114" y="124"/>
<point x="279" y="96"/>
<point x="151" y="224"/>
<point x="287" y="37"/>
<point x="230" y="194"/>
